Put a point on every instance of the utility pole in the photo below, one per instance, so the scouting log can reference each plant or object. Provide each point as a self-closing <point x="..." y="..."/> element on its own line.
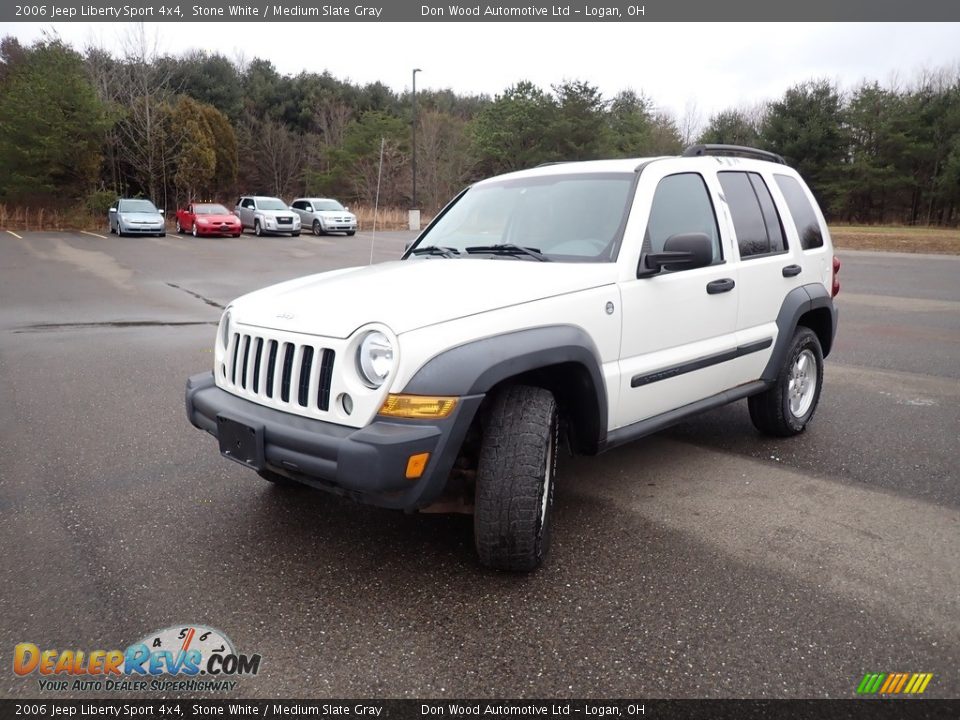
<point x="415" y="71"/>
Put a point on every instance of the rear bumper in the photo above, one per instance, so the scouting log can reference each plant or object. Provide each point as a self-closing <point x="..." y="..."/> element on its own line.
<point x="367" y="464"/>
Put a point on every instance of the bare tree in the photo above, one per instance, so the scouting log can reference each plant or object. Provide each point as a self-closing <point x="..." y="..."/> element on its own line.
<point x="443" y="147"/>
<point x="143" y="91"/>
<point x="278" y="152"/>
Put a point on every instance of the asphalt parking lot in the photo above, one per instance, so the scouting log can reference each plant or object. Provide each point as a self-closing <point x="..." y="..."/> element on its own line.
<point x="705" y="561"/>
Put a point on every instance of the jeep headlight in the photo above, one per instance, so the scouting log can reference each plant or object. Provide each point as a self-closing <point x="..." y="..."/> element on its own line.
<point x="375" y="358"/>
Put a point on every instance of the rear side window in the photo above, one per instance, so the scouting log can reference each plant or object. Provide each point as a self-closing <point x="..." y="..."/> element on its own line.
<point x="681" y="204"/>
<point x="755" y="218"/>
<point x="804" y="217"/>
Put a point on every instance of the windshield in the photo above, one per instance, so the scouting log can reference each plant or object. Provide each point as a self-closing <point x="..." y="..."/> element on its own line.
<point x="272" y="204"/>
<point x="210" y="210"/>
<point x="568" y="218"/>
<point x="328" y="205"/>
<point x="132" y="206"/>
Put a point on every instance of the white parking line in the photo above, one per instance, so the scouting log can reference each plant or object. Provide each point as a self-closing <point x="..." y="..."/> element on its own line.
<point x="19" y="237"/>
<point x="102" y="237"/>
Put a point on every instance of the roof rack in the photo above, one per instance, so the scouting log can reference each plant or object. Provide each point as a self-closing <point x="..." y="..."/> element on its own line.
<point x="700" y="150"/>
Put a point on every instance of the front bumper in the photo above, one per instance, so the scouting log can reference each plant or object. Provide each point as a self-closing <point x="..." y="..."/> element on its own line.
<point x="271" y="225"/>
<point x="331" y="226"/>
<point x="208" y="230"/>
<point x="367" y="464"/>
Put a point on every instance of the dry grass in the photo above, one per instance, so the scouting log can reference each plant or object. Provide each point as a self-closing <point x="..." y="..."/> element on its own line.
<point x="18" y="218"/>
<point x="897" y="238"/>
<point x="387" y="218"/>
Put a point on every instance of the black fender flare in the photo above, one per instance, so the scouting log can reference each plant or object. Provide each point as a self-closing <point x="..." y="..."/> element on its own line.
<point x="796" y="304"/>
<point x="477" y="366"/>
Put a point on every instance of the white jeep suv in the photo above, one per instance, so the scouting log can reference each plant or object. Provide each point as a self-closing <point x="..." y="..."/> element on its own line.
<point x="448" y="379"/>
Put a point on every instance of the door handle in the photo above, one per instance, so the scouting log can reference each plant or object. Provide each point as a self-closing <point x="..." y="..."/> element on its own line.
<point x="720" y="286"/>
<point x="792" y="270"/>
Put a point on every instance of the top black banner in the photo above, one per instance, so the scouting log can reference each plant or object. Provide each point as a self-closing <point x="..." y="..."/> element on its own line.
<point x="592" y="11"/>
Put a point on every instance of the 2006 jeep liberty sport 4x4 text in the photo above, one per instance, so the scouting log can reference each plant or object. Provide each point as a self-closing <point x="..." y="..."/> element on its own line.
<point x="590" y="303"/>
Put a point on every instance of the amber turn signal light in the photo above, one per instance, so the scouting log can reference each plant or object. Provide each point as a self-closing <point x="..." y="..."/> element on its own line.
<point x="418" y="407"/>
<point x="416" y="464"/>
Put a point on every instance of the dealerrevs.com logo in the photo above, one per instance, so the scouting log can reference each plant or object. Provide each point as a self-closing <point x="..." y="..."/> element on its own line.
<point x="181" y="658"/>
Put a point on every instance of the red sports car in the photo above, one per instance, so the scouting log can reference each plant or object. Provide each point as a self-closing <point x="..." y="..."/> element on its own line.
<point x="207" y="219"/>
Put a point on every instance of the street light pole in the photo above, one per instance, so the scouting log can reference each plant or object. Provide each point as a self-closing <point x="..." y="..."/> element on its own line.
<point x="415" y="71"/>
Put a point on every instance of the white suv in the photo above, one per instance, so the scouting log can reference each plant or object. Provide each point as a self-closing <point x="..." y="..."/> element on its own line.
<point x="267" y="215"/>
<point x="325" y="215"/>
<point x="448" y="379"/>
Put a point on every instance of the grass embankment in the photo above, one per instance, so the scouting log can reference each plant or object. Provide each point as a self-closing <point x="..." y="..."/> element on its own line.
<point x="43" y="219"/>
<point x="897" y="238"/>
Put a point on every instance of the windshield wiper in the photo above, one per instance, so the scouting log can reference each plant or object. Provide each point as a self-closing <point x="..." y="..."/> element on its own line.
<point x="509" y="249"/>
<point x="441" y="250"/>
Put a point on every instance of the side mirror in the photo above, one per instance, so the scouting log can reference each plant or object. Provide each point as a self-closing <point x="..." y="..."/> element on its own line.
<point x="346" y="209"/>
<point x="683" y="251"/>
<point x="162" y="211"/>
<point x="113" y="209"/>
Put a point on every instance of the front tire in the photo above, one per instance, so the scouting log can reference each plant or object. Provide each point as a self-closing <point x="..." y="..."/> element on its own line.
<point x="351" y="233"/>
<point x="515" y="479"/>
<point x="786" y="408"/>
<point x="194" y="230"/>
<point x="256" y="229"/>
<point x="317" y="228"/>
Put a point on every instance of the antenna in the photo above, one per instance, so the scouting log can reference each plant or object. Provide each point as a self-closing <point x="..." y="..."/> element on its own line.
<point x="376" y="203"/>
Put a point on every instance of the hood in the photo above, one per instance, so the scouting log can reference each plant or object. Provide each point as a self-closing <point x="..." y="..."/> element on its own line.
<point x="335" y="213"/>
<point x="274" y="213"/>
<point x="142" y="214"/>
<point x="410" y="294"/>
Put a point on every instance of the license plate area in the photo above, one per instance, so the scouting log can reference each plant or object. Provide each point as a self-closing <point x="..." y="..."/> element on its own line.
<point x="241" y="442"/>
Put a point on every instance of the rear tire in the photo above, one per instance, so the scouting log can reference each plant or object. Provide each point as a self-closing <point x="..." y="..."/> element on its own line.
<point x="515" y="479"/>
<point x="786" y="408"/>
<point x="179" y="227"/>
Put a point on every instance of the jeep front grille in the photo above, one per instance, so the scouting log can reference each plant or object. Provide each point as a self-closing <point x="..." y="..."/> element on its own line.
<point x="278" y="372"/>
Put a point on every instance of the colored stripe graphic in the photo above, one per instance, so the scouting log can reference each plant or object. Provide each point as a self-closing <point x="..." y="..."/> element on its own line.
<point x="890" y="682"/>
<point x="894" y="683"/>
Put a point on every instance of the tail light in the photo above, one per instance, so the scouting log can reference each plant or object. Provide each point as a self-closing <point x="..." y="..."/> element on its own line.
<point x="836" y="277"/>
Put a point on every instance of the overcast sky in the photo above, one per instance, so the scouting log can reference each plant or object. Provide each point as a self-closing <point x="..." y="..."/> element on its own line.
<point x="681" y="66"/>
